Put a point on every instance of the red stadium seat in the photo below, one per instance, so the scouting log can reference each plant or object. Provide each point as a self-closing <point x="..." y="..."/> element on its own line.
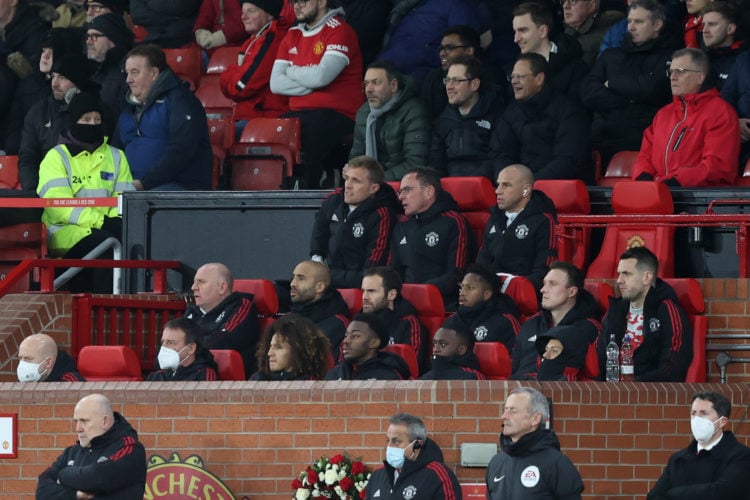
<point x="474" y="195"/>
<point x="590" y="370"/>
<point x="407" y="354"/>
<point x="396" y="185"/>
<point x="494" y="360"/>
<point x="9" y="172"/>
<point x="140" y="33"/>
<point x="216" y="104"/>
<point x="266" y="301"/>
<point x="231" y="366"/>
<point x="691" y="299"/>
<point x="185" y="62"/>
<point x="637" y="197"/>
<point x="571" y="197"/>
<point x="619" y="168"/>
<point x="265" y="157"/>
<point x="221" y="133"/>
<point x="601" y="291"/>
<point x="19" y="242"/>
<point x="353" y="298"/>
<point x="222" y="58"/>
<point x="109" y="362"/>
<point x="523" y="293"/>
<point x="428" y="302"/>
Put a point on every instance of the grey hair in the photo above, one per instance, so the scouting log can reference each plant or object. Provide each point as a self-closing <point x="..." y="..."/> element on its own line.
<point x="537" y="402"/>
<point x="414" y="426"/>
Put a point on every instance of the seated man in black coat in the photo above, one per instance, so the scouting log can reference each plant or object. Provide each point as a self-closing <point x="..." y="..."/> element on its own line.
<point x="182" y="356"/>
<point x="453" y="355"/>
<point x="39" y="360"/>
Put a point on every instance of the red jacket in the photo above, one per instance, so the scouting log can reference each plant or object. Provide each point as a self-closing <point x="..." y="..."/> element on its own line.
<point x="248" y="83"/>
<point x="695" y="139"/>
<point x="224" y="15"/>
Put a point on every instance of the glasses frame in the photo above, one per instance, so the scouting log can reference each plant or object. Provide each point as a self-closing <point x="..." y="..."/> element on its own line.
<point x="456" y="81"/>
<point x="681" y="72"/>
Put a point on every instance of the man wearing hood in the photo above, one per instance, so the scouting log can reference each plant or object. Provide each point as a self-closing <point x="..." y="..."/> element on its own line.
<point x="650" y="315"/>
<point x="108" y="39"/>
<point x="393" y="126"/>
<point x="319" y="66"/>
<point x="562" y="354"/>
<point x="434" y="243"/>
<point x="313" y="297"/>
<point x="163" y="127"/>
<point x="381" y="295"/>
<point x="531" y="464"/>
<point x="353" y="227"/>
<point x="462" y="137"/>
<point x="453" y="355"/>
<point x="519" y="237"/>
<point x="39" y="360"/>
<point x="413" y="465"/>
<point x="694" y="141"/>
<point x="363" y="359"/>
<point x="628" y="84"/>
<point x="543" y="129"/>
<point x="108" y="461"/>
<point x="565" y="302"/>
<point x="182" y="356"/>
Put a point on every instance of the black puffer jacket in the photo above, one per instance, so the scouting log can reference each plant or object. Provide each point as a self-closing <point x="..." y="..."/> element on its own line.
<point x="384" y="366"/>
<point x="330" y="313"/>
<point x="203" y="368"/>
<point x="495" y="320"/>
<point x="404" y="327"/>
<point x="459" y="367"/>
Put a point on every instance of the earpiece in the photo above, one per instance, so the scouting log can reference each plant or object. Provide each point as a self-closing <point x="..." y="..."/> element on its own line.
<point x="525" y="192"/>
<point x="417" y="444"/>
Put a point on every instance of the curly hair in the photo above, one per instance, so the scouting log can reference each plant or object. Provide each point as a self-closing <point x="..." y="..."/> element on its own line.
<point x="310" y="348"/>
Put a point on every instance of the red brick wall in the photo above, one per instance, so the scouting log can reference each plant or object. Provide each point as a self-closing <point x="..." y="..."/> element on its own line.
<point x="258" y="436"/>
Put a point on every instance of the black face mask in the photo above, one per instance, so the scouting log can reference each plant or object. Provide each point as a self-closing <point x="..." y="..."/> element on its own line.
<point x="88" y="134"/>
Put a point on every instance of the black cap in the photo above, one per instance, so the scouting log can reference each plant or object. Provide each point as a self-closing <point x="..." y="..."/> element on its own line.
<point x="113" y="27"/>
<point x="273" y="7"/>
<point x="77" y="68"/>
<point x="82" y="103"/>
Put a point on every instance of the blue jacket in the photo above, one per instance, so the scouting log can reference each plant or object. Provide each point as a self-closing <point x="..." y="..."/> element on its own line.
<point x="736" y="90"/>
<point x="166" y="138"/>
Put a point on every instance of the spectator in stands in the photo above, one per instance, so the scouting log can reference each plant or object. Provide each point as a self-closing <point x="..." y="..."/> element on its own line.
<point x="169" y="24"/>
<point x="163" y="128"/>
<point x="70" y="14"/>
<point x="715" y="463"/>
<point x="562" y="354"/>
<point x="453" y="355"/>
<point x="720" y="22"/>
<point x="314" y="298"/>
<point x="483" y="310"/>
<point x="705" y="149"/>
<point x="293" y="348"/>
<point x="736" y="91"/>
<point x="457" y="41"/>
<point x="39" y="360"/>
<point x="693" y="23"/>
<point x="353" y="226"/>
<point x="369" y="20"/>
<point x="323" y="84"/>
<point x="80" y="472"/>
<point x="83" y="165"/>
<point x="95" y="8"/>
<point x="649" y="314"/>
<point x="415" y="28"/>
<point x="518" y="238"/>
<point x="229" y="319"/>
<point x="182" y="356"/>
<point x="462" y="137"/>
<point x="363" y="359"/>
<point x="534" y="32"/>
<point x="381" y="295"/>
<point x="108" y="39"/>
<point x="220" y="23"/>
<point x="543" y="129"/>
<point x="585" y="23"/>
<point x="393" y="126"/>
<point x="616" y="34"/>
<point x="247" y="82"/>
<point x="413" y="463"/>
<point x="434" y="244"/>
<point x="565" y="303"/>
<point x="528" y="446"/>
<point x="627" y="85"/>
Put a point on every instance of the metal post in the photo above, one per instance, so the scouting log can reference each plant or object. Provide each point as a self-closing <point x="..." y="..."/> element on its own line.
<point x="96" y="252"/>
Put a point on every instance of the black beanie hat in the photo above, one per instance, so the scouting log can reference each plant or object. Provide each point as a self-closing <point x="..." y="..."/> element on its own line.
<point x="61" y="41"/>
<point x="273" y="7"/>
<point x="82" y="103"/>
<point x="113" y="26"/>
<point x="77" y="68"/>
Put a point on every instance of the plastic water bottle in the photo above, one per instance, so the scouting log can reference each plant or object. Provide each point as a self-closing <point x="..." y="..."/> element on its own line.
<point x="613" y="360"/>
<point x="626" y="360"/>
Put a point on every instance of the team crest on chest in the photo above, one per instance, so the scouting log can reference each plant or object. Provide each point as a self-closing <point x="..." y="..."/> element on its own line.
<point x="654" y="324"/>
<point x="409" y="492"/>
<point x="522" y="231"/>
<point x="358" y="230"/>
<point x="318" y="48"/>
<point x="431" y="239"/>
<point x="480" y="332"/>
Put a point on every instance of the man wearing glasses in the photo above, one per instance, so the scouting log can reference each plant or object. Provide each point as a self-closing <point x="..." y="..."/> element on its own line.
<point x="108" y="39"/>
<point x="584" y="22"/>
<point x="695" y="140"/>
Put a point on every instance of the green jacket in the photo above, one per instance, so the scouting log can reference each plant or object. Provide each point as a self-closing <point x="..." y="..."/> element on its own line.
<point x="403" y="134"/>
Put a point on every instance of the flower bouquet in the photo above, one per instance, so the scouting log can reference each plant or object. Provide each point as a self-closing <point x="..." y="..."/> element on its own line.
<point x="335" y="477"/>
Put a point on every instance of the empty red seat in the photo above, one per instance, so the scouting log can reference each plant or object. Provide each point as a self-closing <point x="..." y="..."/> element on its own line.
<point x="266" y="300"/>
<point x="185" y="62"/>
<point x="523" y="293"/>
<point x="9" y="172"/>
<point x="590" y="370"/>
<point x="353" y="298"/>
<point x="231" y="366"/>
<point x="571" y="197"/>
<point x="629" y="198"/>
<point x="602" y="291"/>
<point x="619" y="168"/>
<point x="428" y="302"/>
<point x="494" y="360"/>
<point x="474" y="196"/>
<point x="222" y="58"/>
<point x="690" y="297"/>
<point x="109" y="362"/>
<point x="407" y="354"/>
<point x="216" y="104"/>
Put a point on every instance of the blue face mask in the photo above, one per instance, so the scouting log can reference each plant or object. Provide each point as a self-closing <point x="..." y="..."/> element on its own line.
<point x="394" y="456"/>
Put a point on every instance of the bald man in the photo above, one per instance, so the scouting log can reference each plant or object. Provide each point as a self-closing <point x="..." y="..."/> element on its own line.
<point x="518" y="238"/>
<point x="39" y="360"/>
<point x="313" y="297"/>
<point x="229" y="320"/>
<point x="106" y="462"/>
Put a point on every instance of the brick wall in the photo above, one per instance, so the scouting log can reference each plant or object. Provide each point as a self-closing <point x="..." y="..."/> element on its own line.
<point x="257" y="436"/>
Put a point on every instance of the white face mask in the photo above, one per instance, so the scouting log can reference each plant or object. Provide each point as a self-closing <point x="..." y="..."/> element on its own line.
<point x="702" y="428"/>
<point x="28" y="372"/>
<point x="394" y="456"/>
<point x="169" y="359"/>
